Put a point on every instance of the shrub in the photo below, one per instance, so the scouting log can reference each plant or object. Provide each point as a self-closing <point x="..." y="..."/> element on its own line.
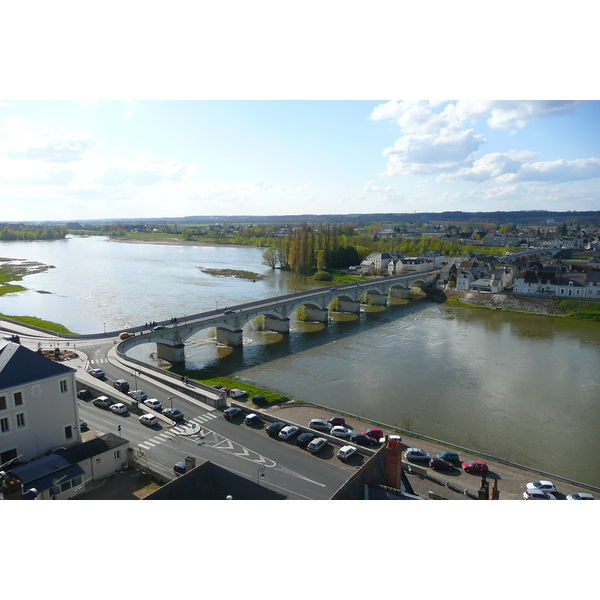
<point x="322" y="276"/>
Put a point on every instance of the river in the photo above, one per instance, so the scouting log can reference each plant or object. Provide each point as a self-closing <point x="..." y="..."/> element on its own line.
<point x="519" y="387"/>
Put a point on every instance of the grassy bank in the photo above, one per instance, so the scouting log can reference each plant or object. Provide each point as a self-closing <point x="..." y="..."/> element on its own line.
<point x="8" y="274"/>
<point x="41" y="323"/>
<point x="579" y="309"/>
<point x="271" y="397"/>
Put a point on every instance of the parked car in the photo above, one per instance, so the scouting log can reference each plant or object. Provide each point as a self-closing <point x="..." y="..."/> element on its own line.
<point x="148" y="420"/>
<point x="83" y="394"/>
<point x="580" y="496"/>
<point x="441" y="464"/>
<point x="226" y="390"/>
<point x="154" y="404"/>
<point x="304" y="439"/>
<point x="126" y="335"/>
<point x="475" y="466"/>
<point x="320" y="425"/>
<point x="339" y="431"/>
<point x="102" y="401"/>
<point x="179" y="468"/>
<point x="416" y="454"/>
<point x="235" y="393"/>
<point x="258" y="399"/>
<point x="374" y="432"/>
<point x="227" y="312"/>
<point x="544" y="486"/>
<point x="316" y="445"/>
<point x="336" y="421"/>
<point x="345" y="452"/>
<point x="119" y="408"/>
<point x="82" y="425"/>
<point x="251" y="419"/>
<point x="137" y="395"/>
<point x="97" y="373"/>
<point x="121" y="385"/>
<point x="392" y="436"/>
<point x="229" y="413"/>
<point x="288" y="432"/>
<point x="274" y="428"/>
<point x="173" y="413"/>
<point x="363" y="440"/>
<point x="537" y="495"/>
<point x="451" y="457"/>
<point x="158" y="328"/>
<point x="216" y="386"/>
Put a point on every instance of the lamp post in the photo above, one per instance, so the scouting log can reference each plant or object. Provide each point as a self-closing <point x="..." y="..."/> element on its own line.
<point x="104" y="328"/>
<point x="171" y="399"/>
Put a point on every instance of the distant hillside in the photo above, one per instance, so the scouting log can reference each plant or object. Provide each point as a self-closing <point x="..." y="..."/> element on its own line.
<point x="525" y="217"/>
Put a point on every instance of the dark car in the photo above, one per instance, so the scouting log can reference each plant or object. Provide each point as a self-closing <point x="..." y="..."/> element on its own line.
<point x="304" y="439"/>
<point x="232" y="412"/>
<point x="173" y="413"/>
<point x="274" y="428"/>
<point x="449" y="456"/>
<point x="336" y="421"/>
<point x="82" y="425"/>
<point x="121" y="385"/>
<point x="83" y="394"/>
<point x="179" y="468"/>
<point x="364" y="440"/>
<point x="216" y="386"/>
<point x="441" y="464"/>
<point x="258" y="399"/>
<point x="475" y="466"/>
<point x="227" y="312"/>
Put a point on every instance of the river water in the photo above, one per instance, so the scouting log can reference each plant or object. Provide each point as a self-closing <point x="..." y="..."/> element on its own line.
<point x="520" y="387"/>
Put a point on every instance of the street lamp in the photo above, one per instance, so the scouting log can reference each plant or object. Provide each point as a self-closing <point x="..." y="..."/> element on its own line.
<point x="104" y="328"/>
<point x="171" y="399"/>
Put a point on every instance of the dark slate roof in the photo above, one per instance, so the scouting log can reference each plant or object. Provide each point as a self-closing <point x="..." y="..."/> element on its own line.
<point x="19" y="365"/>
<point x="94" y="447"/>
<point x="41" y="474"/>
<point x="211" y="482"/>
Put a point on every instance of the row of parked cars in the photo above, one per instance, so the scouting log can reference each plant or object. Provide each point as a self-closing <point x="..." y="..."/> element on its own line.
<point x="335" y="426"/>
<point x="448" y="461"/>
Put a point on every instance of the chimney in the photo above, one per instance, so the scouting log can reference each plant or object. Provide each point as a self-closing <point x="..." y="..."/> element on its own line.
<point x="393" y="464"/>
<point x="12" y="489"/>
<point x="190" y="463"/>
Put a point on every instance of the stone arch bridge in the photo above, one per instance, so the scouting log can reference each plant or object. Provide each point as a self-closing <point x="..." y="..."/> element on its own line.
<point x="276" y="312"/>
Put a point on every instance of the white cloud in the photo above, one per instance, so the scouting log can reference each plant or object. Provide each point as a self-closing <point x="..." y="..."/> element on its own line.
<point x="431" y="153"/>
<point x="54" y="146"/>
<point x="490" y="166"/>
<point x="556" y="171"/>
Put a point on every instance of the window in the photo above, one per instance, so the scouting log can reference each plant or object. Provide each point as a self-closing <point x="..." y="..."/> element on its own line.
<point x="21" y="420"/>
<point x="2" y="402"/>
<point x="117" y="455"/>
<point x="4" y="425"/>
<point x="63" y="386"/>
<point x="18" y="399"/>
<point x="65" y="486"/>
<point x="68" y="432"/>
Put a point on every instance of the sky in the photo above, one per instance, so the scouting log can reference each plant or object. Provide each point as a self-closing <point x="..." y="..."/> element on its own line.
<point x="258" y="109"/>
<point x="76" y="160"/>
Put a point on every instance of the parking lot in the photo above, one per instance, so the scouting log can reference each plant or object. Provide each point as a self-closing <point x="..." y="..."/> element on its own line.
<point x="511" y="480"/>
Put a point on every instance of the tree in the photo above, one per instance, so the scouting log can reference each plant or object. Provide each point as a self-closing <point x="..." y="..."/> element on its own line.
<point x="269" y="257"/>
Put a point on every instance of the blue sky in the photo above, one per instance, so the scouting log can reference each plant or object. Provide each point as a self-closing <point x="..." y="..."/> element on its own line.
<point x="74" y="160"/>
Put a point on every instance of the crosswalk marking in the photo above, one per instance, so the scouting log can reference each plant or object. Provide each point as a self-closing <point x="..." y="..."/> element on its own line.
<point x="163" y="437"/>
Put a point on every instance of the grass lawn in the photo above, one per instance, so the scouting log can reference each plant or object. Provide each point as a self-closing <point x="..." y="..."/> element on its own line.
<point x="48" y="325"/>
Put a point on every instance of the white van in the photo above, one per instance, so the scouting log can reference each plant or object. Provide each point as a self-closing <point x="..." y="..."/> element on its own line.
<point x="235" y="393"/>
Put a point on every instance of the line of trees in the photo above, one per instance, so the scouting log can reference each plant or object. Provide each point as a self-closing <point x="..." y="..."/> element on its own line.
<point x="33" y="233"/>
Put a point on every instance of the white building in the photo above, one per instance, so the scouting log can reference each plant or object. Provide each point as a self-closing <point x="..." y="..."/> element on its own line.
<point x="38" y="404"/>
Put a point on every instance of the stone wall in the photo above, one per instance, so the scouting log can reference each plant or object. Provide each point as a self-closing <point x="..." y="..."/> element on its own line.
<point x="542" y="306"/>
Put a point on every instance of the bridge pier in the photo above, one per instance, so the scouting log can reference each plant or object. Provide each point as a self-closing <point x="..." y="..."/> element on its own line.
<point x="321" y="315"/>
<point x="275" y="324"/>
<point x="229" y="337"/>
<point x="351" y="306"/>
<point x="399" y="293"/>
<point x="172" y="354"/>
<point x="376" y="299"/>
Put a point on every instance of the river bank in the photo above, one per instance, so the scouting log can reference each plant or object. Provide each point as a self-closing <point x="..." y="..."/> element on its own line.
<point x="180" y="242"/>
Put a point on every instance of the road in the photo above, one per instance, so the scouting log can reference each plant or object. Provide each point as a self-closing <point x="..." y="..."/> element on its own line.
<point x="204" y="434"/>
